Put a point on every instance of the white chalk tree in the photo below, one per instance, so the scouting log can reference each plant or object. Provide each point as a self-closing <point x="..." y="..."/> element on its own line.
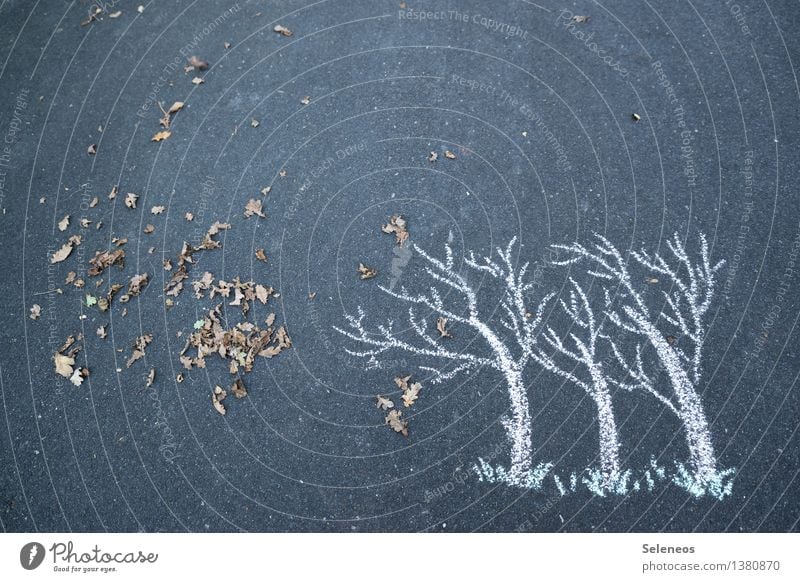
<point x="507" y="341"/>
<point x="580" y="362"/>
<point x="685" y="306"/>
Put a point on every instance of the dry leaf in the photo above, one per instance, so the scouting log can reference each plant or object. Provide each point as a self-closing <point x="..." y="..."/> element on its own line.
<point x="433" y="156"/>
<point x="130" y="200"/>
<point x="282" y="30"/>
<point x="261" y="255"/>
<point x="61" y="253"/>
<point x="101" y="332"/>
<point x="305" y="100"/>
<point x="149" y="229"/>
<point x="198" y="81"/>
<point x="158" y="209"/>
<point x="238" y="389"/>
<point x="161" y="136"/>
<point x="254" y="123"/>
<point x="441" y="327"/>
<point x="175" y="107"/>
<point x="396" y="423"/>
<point x="92" y="149"/>
<point x="63" y="223"/>
<point x="449" y="155"/>
<point x="63" y="365"/>
<point x="411" y="394"/>
<point x="266" y="190"/>
<point x="198" y="63"/>
<point x="150" y="378"/>
<point x="366" y="272"/>
<point x="36" y="311"/>
<point x="254" y="207"/>
<point x="384" y="403"/>
<point x="397" y="225"/>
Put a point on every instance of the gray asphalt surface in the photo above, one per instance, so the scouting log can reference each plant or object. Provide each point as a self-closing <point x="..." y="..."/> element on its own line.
<point x="538" y="110"/>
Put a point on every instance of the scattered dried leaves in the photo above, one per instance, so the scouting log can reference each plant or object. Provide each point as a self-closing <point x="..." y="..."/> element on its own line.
<point x="104" y="259"/>
<point x="239" y="345"/>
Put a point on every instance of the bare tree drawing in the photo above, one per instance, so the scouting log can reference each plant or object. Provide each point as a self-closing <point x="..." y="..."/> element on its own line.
<point x="686" y="305"/>
<point x="507" y="357"/>
<point x="565" y="362"/>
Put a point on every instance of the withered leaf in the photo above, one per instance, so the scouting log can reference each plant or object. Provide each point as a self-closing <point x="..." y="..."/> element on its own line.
<point x="383" y="403"/>
<point x="36" y="311"/>
<point x="151" y="377"/>
<point x="63" y="223"/>
<point x="449" y="155"/>
<point x="61" y="253"/>
<point x="63" y="365"/>
<point x="238" y="389"/>
<point x="139" y="347"/>
<point x="92" y="149"/>
<point x="158" y="209"/>
<point x="198" y="63"/>
<point x="441" y="327"/>
<point x="198" y="81"/>
<point x="254" y="207"/>
<point x="130" y="200"/>
<point x="280" y="29"/>
<point x="396" y="423"/>
<point x="411" y="393"/>
<point x="366" y="272"/>
<point x="261" y="255"/>
<point x="433" y="156"/>
<point x="149" y="229"/>
<point x="161" y="135"/>
<point x="397" y="225"/>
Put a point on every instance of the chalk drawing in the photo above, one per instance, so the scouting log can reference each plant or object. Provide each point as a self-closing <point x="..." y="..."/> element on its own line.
<point x="520" y="337"/>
